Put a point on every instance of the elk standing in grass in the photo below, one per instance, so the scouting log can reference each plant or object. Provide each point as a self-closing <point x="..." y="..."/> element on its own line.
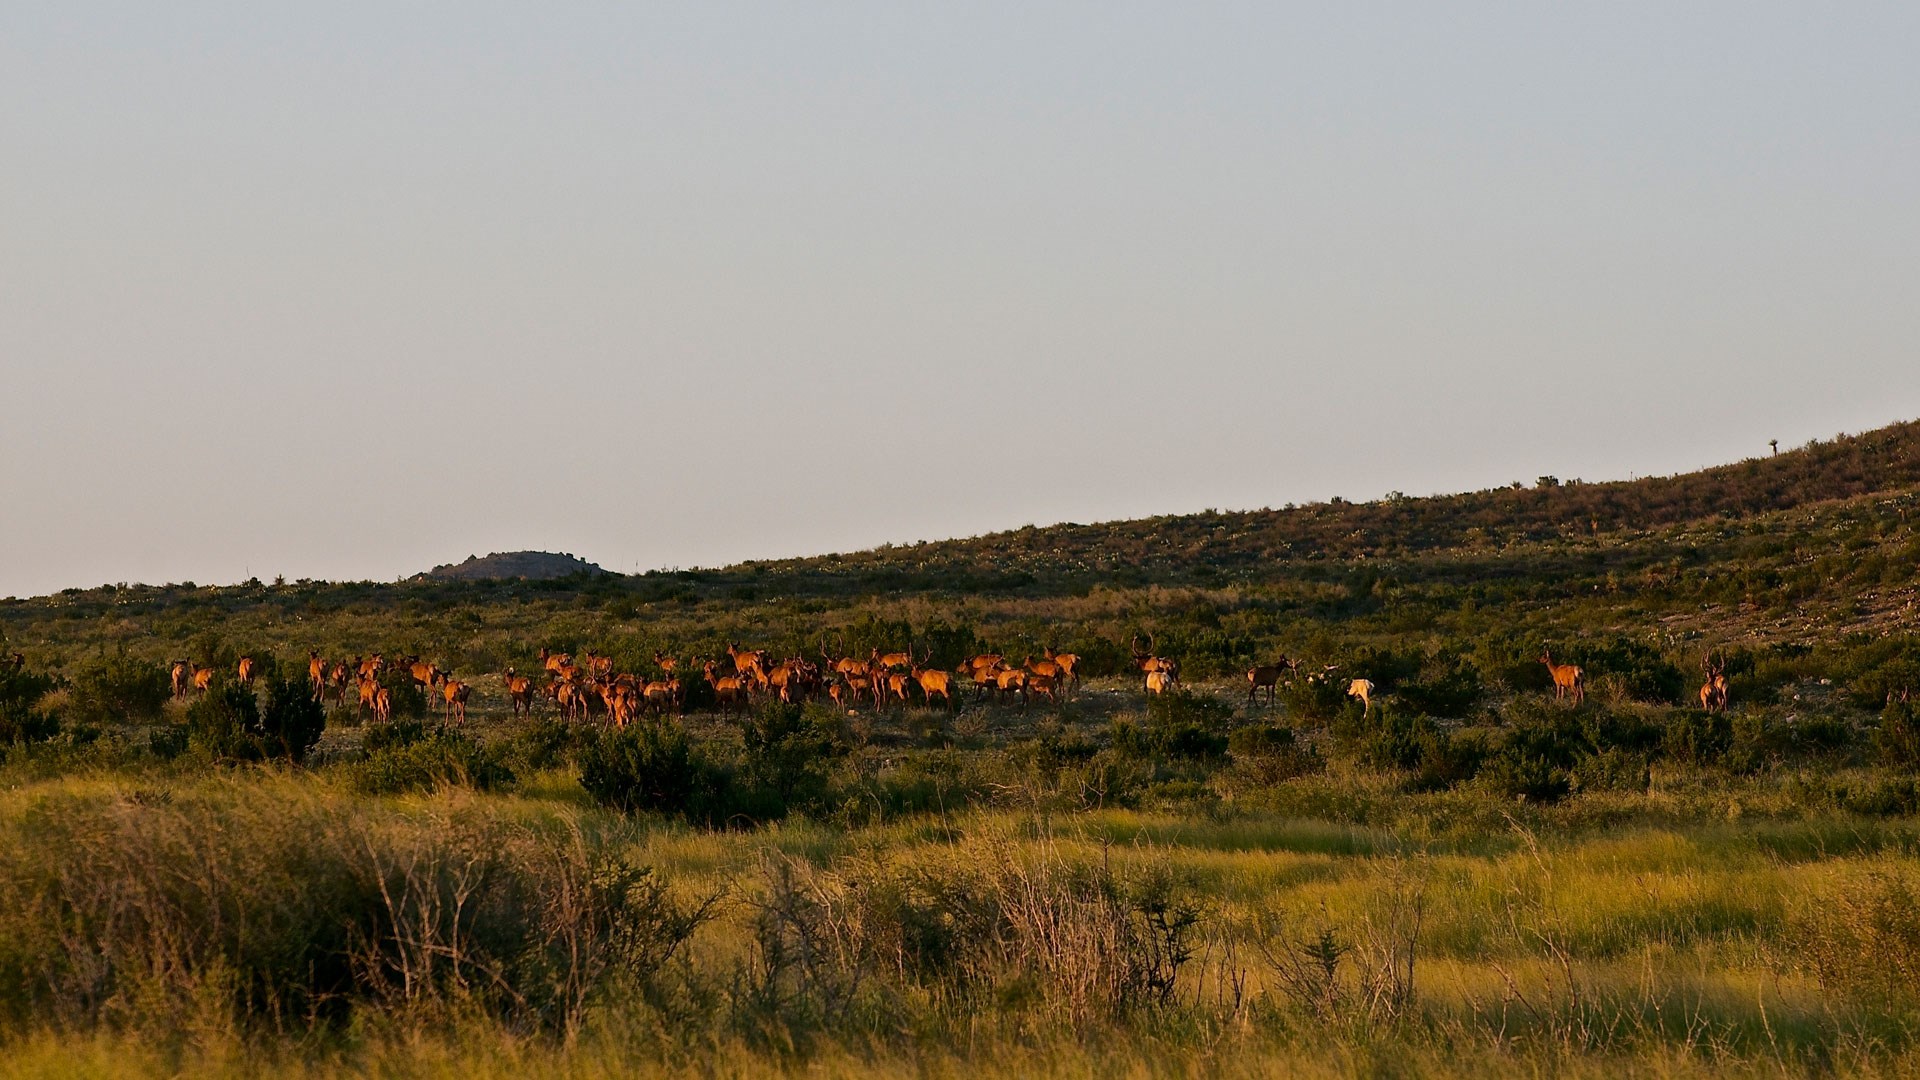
<point x="246" y="671"/>
<point x="1152" y="665"/>
<point x="180" y="674"/>
<point x="202" y="679"/>
<point x="1267" y="676"/>
<point x="1069" y="668"/>
<point x="728" y="690"/>
<point x="1713" y="692"/>
<point x="933" y="681"/>
<point x="1569" y="681"/>
<point x="455" y="694"/>
<point x="519" y="693"/>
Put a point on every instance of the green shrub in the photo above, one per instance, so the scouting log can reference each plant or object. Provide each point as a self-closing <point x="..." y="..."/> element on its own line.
<point x="118" y="689"/>
<point x="1315" y="697"/>
<point x="1447" y="686"/>
<point x="652" y="766"/>
<point x="1267" y="755"/>
<point x="230" y="724"/>
<point x="1613" y="769"/>
<point x="292" y="719"/>
<point x="1698" y="737"/>
<point x="1897" y="740"/>
<point x="784" y="757"/>
<point x="439" y="759"/>
<point x="21" y="718"/>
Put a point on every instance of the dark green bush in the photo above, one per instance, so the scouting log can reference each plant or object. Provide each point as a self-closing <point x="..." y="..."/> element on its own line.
<point x="1697" y="737"/>
<point x="291" y="721"/>
<point x="118" y="689"/>
<point x="653" y="766"/>
<point x="1447" y="686"/>
<point x="784" y="758"/>
<point x="1897" y="740"/>
<point x="230" y="724"/>
<point x="430" y="761"/>
<point x="21" y="718"/>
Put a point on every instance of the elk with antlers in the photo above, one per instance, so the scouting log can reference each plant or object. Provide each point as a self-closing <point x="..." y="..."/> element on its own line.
<point x="1146" y="661"/>
<point x="1713" y="692"/>
<point x="1569" y="681"/>
<point x="933" y="681"/>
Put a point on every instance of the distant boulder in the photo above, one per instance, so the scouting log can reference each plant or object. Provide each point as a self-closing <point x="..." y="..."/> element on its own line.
<point x="512" y="565"/>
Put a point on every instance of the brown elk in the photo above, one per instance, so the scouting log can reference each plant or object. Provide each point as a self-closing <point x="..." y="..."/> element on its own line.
<point x="370" y="690"/>
<point x="662" y="696"/>
<point x="1010" y="680"/>
<point x="455" y="693"/>
<point x="316" y="674"/>
<point x="427" y="675"/>
<point x="519" y="692"/>
<point x="1146" y="661"/>
<point x="382" y="704"/>
<point x="1713" y="692"/>
<point x="748" y="660"/>
<point x="933" y="681"/>
<point x="1049" y="669"/>
<point x="1267" y="676"/>
<point x="1160" y="682"/>
<point x="1069" y="666"/>
<point x="553" y="662"/>
<point x="599" y="666"/>
<point x="338" y="677"/>
<point x="179" y="674"/>
<point x="896" y="684"/>
<point x="1362" y="691"/>
<point x="202" y="678"/>
<point x="571" y="697"/>
<point x="371" y="667"/>
<point x="246" y="671"/>
<point x="665" y="663"/>
<point x="1046" y="686"/>
<point x="1568" y="679"/>
<point x="728" y="690"/>
<point x="892" y="659"/>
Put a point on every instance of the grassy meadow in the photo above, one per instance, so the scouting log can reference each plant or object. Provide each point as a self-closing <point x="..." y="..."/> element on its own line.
<point x="1466" y="878"/>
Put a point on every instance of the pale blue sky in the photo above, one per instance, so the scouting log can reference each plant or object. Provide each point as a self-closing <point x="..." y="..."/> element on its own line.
<point x="351" y="289"/>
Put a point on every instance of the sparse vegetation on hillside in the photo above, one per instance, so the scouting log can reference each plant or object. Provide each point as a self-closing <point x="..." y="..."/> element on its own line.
<point x="1460" y="875"/>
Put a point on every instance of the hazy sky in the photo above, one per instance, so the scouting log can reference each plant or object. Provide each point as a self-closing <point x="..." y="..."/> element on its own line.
<point x="350" y="289"/>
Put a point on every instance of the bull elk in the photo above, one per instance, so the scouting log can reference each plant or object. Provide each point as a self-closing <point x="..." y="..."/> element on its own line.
<point x="1568" y="679"/>
<point x="1146" y="661"/>
<point x="933" y="681"/>
<point x="1713" y="692"/>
